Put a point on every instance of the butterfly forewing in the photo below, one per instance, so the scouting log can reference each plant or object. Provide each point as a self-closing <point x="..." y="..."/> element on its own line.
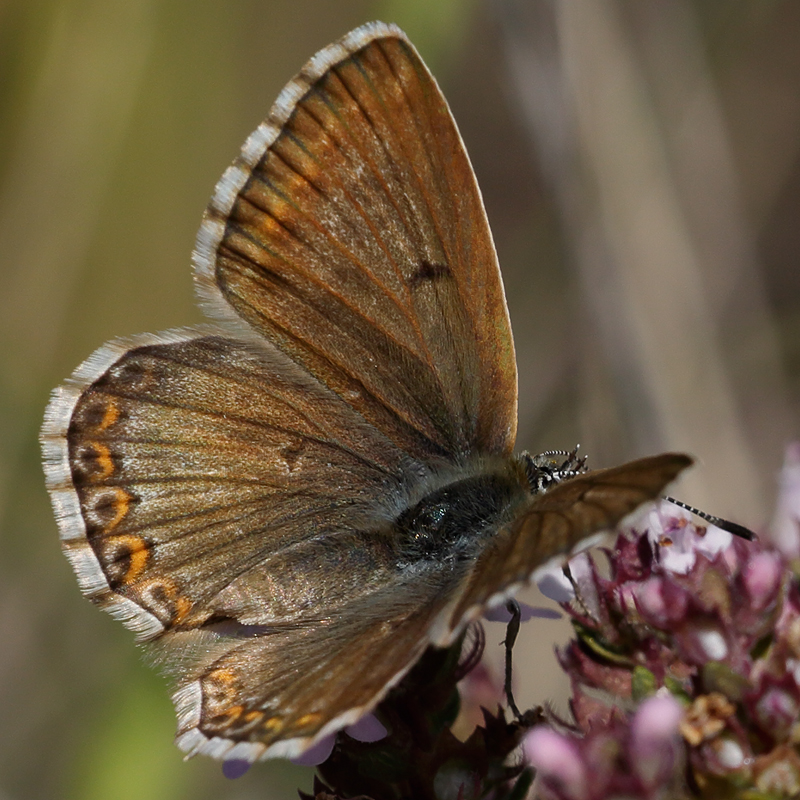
<point x="557" y="520"/>
<point x="358" y="245"/>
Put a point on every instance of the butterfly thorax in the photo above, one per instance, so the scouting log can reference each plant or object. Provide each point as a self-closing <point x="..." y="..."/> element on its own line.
<point x="451" y="522"/>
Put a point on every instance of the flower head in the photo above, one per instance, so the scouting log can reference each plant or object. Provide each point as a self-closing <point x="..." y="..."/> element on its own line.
<point x="686" y="662"/>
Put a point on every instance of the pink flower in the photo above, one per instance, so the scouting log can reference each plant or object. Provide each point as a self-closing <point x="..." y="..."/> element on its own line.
<point x="785" y="527"/>
<point x="235" y="768"/>
<point x="555" y="585"/>
<point x="317" y="754"/>
<point x="678" y="542"/>
<point x="368" y="729"/>
<point x="654" y="738"/>
<point x="558" y="763"/>
<point x="762" y="576"/>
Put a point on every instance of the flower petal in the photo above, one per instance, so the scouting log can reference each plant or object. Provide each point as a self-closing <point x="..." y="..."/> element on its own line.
<point x="785" y="526"/>
<point x="235" y="768"/>
<point x="368" y="729"/>
<point x="557" y="761"/>
<point x="317" y="754"/>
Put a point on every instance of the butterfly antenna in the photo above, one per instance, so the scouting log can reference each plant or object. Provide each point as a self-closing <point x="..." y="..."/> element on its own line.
<point x="512" y="629"/>
<point x="725" y="524"/>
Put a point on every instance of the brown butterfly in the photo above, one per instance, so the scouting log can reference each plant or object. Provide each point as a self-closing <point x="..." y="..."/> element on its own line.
<point x="295" y="503"/>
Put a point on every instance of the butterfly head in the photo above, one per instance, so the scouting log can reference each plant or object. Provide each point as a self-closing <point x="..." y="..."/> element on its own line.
<point x="554" y="466"/>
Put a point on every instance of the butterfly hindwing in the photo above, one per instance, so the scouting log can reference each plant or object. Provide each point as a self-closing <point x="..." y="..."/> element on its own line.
<point x="276" y="691"/>
<point x="181" y="464"/>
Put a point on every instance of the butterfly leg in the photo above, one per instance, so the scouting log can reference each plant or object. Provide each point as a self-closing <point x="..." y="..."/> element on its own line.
<point x="512" y="629"/>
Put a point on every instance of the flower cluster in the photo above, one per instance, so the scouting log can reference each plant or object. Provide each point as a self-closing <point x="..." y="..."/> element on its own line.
<point x="685" y="669"/>
<point x="419" y="756"/>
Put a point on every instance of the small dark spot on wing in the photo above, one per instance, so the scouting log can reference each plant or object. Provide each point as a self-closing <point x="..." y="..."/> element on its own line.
<point x="429" y="271"/>
<point x="292" y="453"/>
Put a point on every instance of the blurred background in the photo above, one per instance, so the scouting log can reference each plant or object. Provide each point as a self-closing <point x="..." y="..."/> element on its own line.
<point x="639" y="164"/>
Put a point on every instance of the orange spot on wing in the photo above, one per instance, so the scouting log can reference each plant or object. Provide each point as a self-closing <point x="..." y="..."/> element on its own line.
<point x="307" y="720"/>
<point x="232" y="713"/>
<point x="273" y="724"/>
<point x="224" y="676"/>
<point x="110" y="415"/>
<point x="183" y="605"/>
<point x="138" y="553"/>
<point x="162" y="598"/>
<point x="120" y="503"/>
<point x="104" y="461"/>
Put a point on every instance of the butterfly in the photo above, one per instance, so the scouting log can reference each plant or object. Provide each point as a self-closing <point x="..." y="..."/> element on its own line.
<point x="291" y="504"/>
